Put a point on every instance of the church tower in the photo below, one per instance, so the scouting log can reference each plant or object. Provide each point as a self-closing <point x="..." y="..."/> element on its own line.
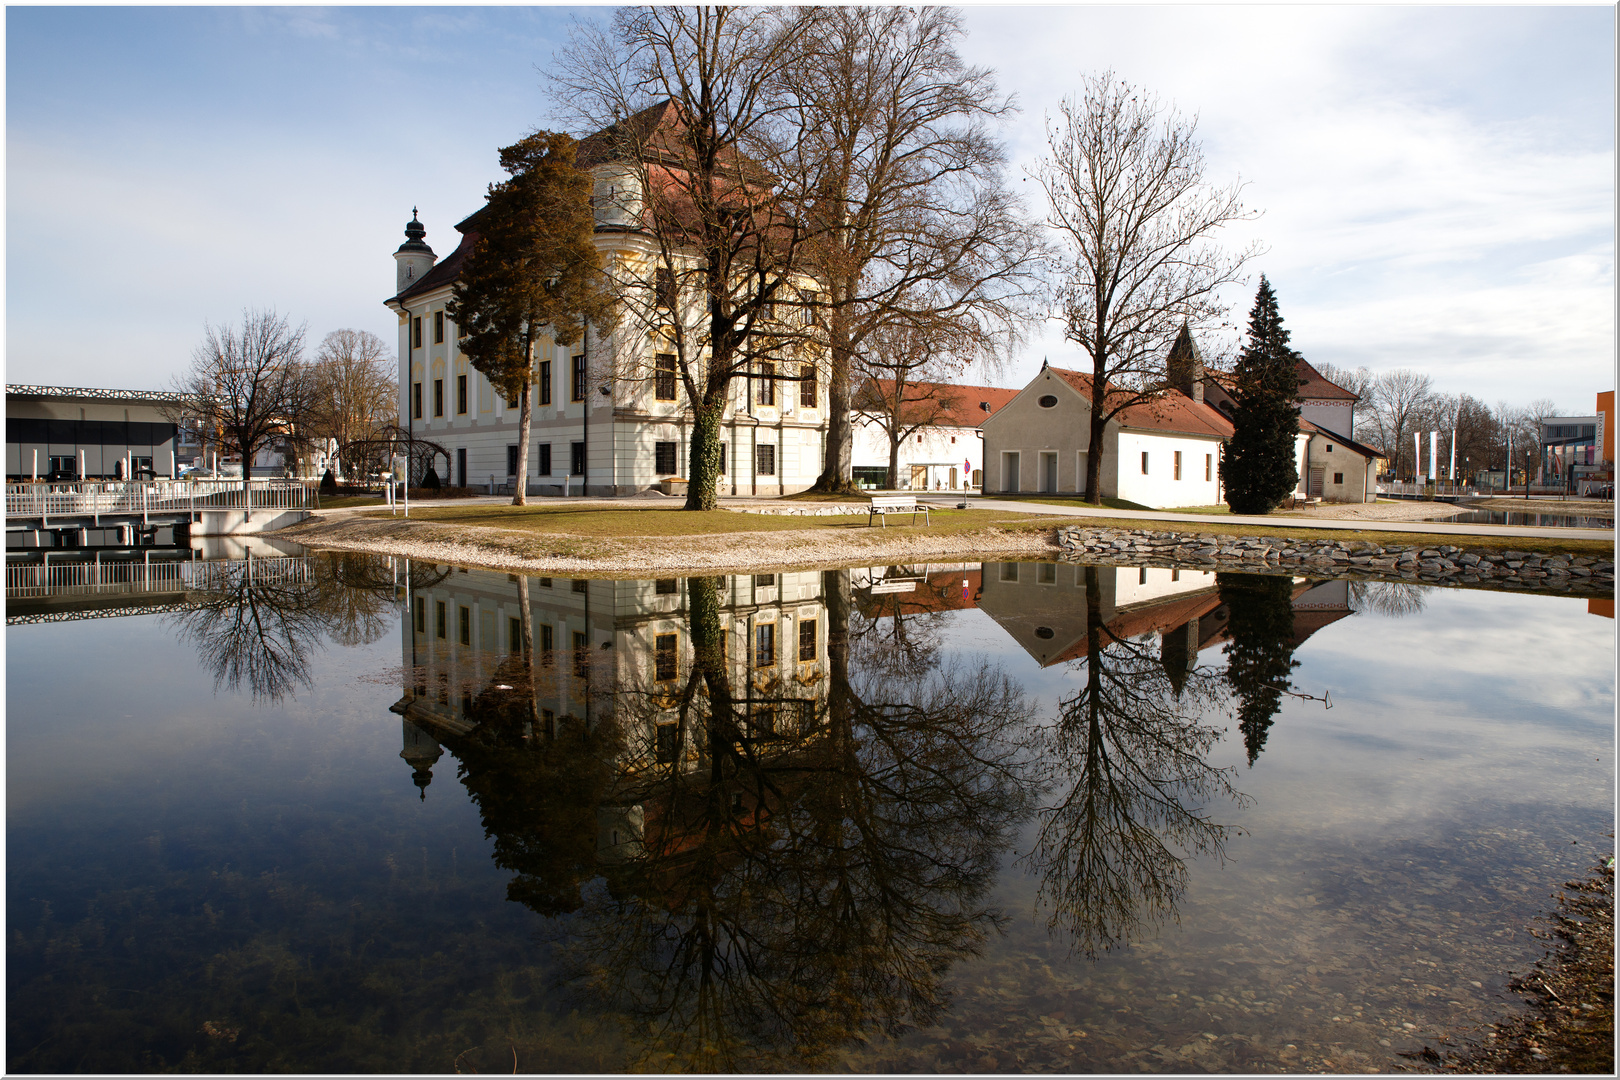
<point x="414" y="258"/>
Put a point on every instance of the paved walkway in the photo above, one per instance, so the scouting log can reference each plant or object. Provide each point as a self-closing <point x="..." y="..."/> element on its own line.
<point x="1020" y="506"/>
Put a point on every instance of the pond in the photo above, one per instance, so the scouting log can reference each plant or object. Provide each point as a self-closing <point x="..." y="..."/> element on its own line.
<point x="336" y="813"/>
<point x="1520" y="517"/>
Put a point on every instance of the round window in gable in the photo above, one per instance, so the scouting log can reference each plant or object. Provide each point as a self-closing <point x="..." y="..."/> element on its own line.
<point x="1047" y="401"/>
<point x="1043" y="632"/>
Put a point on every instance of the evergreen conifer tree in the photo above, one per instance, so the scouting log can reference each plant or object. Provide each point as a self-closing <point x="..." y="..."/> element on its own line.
<point x="1260" y="654"/>
<point x="1258" y="468"/>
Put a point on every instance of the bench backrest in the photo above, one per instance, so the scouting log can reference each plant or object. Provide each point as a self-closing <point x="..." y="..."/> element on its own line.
<point x="894" y="502"/>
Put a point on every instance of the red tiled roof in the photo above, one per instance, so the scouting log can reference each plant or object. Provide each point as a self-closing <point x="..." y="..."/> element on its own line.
<point x="942" y="590"/>
<point x="1160" y="616"/>
<point x="957" y="405"/>
<point x="1314" y="386"/>
<point x="1171" y="411"/>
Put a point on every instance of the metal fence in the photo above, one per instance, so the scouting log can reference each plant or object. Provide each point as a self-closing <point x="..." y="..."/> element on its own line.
<point x="126" y="498"/>
<point x="87" y="577"/>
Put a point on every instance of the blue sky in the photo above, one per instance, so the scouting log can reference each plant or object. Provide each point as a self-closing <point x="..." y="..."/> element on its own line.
<point x="1437" y="183"/>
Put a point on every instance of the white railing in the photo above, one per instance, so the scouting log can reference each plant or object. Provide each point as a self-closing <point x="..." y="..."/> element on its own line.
<point x="147" y="497"/>
<point x="91" y="577"/>
<point x="1443" y="488"/>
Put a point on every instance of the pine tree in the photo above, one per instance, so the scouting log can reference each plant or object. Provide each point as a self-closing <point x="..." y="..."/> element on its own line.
<point x="1258" y="469"/>
<point x="535" y="268"/>
<point x="1260" y="654"/>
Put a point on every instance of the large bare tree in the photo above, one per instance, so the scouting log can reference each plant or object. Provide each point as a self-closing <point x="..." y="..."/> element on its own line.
<point x="1138" y="221"/>
<point x="355" y="391"/>
<point x="904" y="389"/>
<point x="248" y="386"/>
<point x="1399" y="398"/>
<point x="917" y="231"/>
<point x="700" y="143"/>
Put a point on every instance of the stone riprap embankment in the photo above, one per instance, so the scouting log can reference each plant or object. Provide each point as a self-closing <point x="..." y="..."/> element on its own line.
<point x="1439" y="564"/>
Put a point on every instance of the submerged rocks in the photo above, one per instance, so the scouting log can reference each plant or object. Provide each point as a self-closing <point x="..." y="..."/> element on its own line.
<point x="1445" y="563"/>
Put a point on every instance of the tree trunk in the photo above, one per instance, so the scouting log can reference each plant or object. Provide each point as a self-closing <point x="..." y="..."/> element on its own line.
<point x="894" y="461"/>
<point x="703" y="463"/>
<point x="1094" y="447"/>
<point x="526" y="621"/>
<point x="520" y="483"/>
<point x="839" y="450"/>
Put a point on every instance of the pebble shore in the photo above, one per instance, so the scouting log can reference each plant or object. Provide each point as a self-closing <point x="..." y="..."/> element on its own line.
<point x="1444" y="564"/>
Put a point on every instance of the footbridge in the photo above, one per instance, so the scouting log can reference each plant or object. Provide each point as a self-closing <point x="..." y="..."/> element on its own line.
<point x="57" y="515"/>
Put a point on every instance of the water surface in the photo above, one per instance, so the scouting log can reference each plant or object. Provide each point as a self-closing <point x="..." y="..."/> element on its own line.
<point x="336" y="814"/>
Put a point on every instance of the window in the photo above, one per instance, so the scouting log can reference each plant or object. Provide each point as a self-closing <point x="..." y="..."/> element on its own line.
<point x="1009" y="571"/>
<point x="666" y="586"/>
<point x="664" y="662"/>
<point x="582" y="655"/>
<point x="416" y="400"/>
<point x="1046" y="573"/>
<point x="421" y="615"/>
<point x="1175" y="575"/>
<point x="544" y="583"/>
<point x="765" y="645"/>
<point x="919" y="440"/>
<point x="722" y="459"/>
<point x="664" y="458"/>
<point x="545" y="382"/>
<point x="438" y="397"/>
<point x="438" y="328"/>
<point x="1209" y="465"/>
<point x="461" y="394"/>
<point x="767" y="383"/>
<point x="514" y="634"/>
<point x="1047" y="401"/>
<point x="416" y="332"/>
<point x="1329" y="448"/>
<point x="664" y="377"/>
<point x="762" y="721"/>
<point x="545" y="459"/>
<point x="764" y="581"/>
<point x="1141" y="576"/>
<point x="438" y="617"/>
<point x="1177" y="466"/>
<point x="807" y="314"/>
<point x="1144" y="463"/>
<point x="511" y="460"/>
<point x="466" y="625"/>
<point x="668" y="742"/>
<point x="807" y="639"/>
<point x="765" y="460"/>
<point x="1338" y="478"/>
<point x="548" y="722"/>
<point x="576" y="382"/>
<point x="578" y="585"/>
<point x="576" y="459"/>
<point x="548" y="641"/>
<point x="664" y="287"/>
<point x="807" y="387"/>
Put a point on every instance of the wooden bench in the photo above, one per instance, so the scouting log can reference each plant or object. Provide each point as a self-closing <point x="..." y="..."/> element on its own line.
<point x="883" y="505"/>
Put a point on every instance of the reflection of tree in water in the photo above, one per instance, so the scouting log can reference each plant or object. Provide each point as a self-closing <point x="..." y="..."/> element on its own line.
<point x="260" y="622"/>
<point x="1260" y="654"/>
<point x="780" y="887"/>
<point x="1128" y="752"/>
<point x="1392" y="598"/>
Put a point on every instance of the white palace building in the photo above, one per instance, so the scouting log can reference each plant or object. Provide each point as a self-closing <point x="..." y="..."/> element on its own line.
<point x="593" y="429"/>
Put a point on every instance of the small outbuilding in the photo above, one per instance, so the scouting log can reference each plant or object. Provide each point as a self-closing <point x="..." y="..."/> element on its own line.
<point x="74" y="432"/>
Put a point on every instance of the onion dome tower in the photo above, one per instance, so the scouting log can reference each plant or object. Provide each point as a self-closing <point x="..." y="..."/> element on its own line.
<point x="421" y="752"/>
<point x="414" y="258"/>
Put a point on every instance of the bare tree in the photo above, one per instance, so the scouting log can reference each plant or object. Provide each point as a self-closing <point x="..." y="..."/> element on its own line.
<point x="1125" y="184"/>
<point x="1358" y="381"/>
<point x="904" y="389"/>
<point x="355" y="391"/>
<point x="916" y="226"/>
<point x="249" y="386"/>
<point x="1399" y="398"/>
<point x="699" y="145"/>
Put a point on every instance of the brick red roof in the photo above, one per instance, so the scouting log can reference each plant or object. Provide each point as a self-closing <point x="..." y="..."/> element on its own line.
<point x="1172" y="411"/>
<point x="957" y="405"/>
<point x="1313" y="385"/>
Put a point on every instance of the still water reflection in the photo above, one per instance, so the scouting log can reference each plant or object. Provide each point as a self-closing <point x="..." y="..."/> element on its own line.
<point x="976" y="817"/>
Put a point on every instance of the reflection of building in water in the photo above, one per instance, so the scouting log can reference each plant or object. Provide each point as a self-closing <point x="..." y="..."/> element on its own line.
<point x="1042" y="606"/>
<point x="886" y="591"/>
<point x="610" y="649"/>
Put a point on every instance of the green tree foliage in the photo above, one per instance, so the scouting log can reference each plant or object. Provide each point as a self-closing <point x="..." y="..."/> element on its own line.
<point x="1258" y="468"/>
<point x="1261" y="651"/>
<point x="535" y="266"/>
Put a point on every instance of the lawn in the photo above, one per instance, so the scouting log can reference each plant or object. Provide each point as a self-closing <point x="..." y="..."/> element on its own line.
<point x="651" y="522"/>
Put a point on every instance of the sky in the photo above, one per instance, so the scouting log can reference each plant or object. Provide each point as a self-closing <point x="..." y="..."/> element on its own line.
<point x="1435" y="185"/>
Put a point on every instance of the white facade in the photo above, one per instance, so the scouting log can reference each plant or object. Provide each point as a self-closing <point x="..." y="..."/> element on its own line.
<point x="1164" y="470"/>
<point x="933" y="459"/>
<point x="599" y="422"/>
